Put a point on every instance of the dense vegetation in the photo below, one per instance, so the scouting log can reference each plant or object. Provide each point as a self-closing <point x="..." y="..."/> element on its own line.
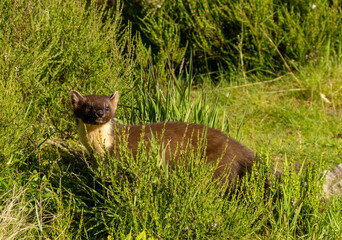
<point x="257" y="36"/>
<point x="266" y="72"/>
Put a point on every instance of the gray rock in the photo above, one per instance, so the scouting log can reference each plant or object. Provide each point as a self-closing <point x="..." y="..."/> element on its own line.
<point x="332" y="185"/>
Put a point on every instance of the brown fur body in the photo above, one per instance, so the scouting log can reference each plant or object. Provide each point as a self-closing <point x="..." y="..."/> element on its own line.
<point x="100" y="135"/>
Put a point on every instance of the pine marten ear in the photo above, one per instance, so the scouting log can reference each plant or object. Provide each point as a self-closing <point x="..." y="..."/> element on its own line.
<point x="75" y="98"/>
<point x="114" y="98"/>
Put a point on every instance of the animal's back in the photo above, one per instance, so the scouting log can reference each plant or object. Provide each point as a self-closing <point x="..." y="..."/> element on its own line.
<point x="235" y="159"/>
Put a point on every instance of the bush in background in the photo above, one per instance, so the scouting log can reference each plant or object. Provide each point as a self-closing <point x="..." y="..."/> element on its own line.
<point x="237" y="35"/>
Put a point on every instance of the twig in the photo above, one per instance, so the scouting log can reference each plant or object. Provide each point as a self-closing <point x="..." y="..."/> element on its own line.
<point x="251" y="84"/>
<point x="281" y="56"/>
<point x="289" y="90"/>
<point x="240" y="48"/>
<point x="286" y="65"/>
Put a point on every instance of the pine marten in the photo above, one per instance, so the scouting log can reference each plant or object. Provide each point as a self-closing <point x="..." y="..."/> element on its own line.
<point x="99" y="132"/>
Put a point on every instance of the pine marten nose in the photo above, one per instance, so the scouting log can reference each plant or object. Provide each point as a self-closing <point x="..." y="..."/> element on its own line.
<point x="100" y="113"/>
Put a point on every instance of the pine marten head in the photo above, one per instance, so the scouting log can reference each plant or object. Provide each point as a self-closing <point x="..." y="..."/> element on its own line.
<point x="93" y="109"/>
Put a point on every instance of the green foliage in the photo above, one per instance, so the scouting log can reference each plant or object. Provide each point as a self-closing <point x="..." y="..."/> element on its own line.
<point x="138" y="196"/>
<point x="47" y="49"/>
<point x="165" y="35"/>
<point x="222" y="33"/>
<point x="173" y="101"/>
<point x="299" y="204"/>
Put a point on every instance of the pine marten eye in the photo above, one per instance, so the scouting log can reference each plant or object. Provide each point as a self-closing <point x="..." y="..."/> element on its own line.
<point x="89" y="107"/>
<point x="107" y="108"/>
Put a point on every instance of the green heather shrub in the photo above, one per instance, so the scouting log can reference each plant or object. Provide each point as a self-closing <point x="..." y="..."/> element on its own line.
<point x="132" y="196"/>
<point x="221" y="33"/>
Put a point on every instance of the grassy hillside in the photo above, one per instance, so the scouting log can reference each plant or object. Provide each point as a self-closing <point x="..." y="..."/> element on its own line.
<point x="277" y="91"/>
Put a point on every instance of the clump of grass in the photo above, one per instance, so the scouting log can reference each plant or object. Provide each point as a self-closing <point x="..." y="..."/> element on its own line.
<point x="298" y="202"/>
<point x="16" y="214"/>
<point x="173" y="100"/>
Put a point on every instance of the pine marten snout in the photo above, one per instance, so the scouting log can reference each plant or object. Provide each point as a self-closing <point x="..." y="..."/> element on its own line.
<point x="98" y="132"/>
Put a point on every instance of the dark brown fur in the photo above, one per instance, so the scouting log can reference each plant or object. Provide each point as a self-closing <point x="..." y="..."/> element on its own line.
<point x="235" y="159"/>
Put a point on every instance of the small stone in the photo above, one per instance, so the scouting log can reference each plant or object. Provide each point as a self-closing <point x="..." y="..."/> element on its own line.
<point x="332" y="185"/>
